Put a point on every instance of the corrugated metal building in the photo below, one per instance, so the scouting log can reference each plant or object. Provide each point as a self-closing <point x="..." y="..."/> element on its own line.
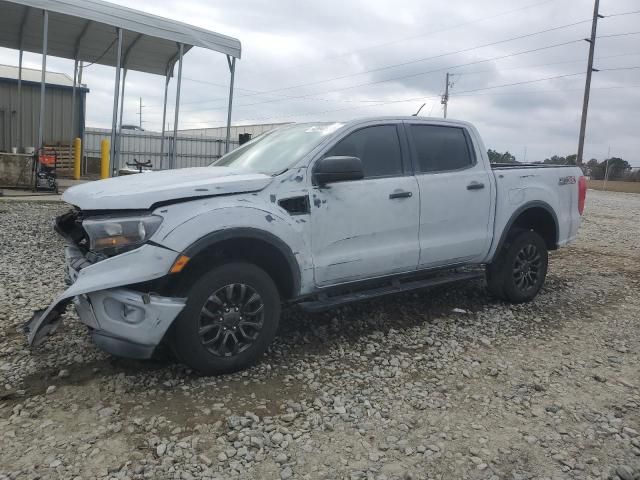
<point x="57" y="128"/>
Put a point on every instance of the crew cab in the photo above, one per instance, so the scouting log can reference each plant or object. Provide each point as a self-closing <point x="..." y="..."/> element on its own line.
<point x="315" y="214"/>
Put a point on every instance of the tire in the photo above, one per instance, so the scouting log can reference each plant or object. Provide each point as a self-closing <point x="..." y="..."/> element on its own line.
<point x="519" y="271"/>
<point x="230" y="318"/>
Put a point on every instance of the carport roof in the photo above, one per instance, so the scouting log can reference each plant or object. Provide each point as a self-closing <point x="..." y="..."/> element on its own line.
<point x="86" y="30"/>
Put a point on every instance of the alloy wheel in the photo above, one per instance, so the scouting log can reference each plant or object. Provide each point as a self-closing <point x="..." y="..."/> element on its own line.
<point x="526" y="268"/>
<point x="231" y="320"/>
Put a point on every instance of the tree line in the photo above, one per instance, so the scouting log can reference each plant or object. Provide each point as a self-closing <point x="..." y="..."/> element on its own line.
<point x="613" y="168"/>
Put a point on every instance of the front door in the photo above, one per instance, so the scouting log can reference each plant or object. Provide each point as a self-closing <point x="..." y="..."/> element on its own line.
<point x="455" y="196"/>
<point x="369" y="227"/>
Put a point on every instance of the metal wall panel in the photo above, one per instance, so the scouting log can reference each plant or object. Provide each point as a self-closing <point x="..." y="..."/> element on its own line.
<point x="58" y="128"/>
<point x="191" y="151"/>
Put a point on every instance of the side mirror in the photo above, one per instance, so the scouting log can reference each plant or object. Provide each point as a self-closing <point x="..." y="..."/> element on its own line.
<point x="337" y="169"/>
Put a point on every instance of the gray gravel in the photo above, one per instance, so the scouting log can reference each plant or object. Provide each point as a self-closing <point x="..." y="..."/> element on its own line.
<point x="401" y="387"/>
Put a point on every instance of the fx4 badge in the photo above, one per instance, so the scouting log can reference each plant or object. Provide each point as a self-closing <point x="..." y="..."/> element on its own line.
<point x="567" y="180"/>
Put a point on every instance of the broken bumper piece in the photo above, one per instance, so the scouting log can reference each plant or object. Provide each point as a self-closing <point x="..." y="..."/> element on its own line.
<point x="44" y="323"/>
<point x="122" y="321"/>
<point x="127" y="323"/>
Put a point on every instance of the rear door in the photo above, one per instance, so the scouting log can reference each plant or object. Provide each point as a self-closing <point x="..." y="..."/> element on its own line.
<point x="369" y="227"/>
<point x="455" y="195"/>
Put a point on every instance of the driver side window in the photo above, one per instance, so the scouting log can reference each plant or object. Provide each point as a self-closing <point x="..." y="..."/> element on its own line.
<point x="378" y="147"/>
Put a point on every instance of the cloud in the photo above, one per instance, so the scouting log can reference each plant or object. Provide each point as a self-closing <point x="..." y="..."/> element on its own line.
<point x="339" y="51"/>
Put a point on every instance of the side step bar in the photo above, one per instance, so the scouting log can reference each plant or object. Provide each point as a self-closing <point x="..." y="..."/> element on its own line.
<point x="325" y="302"/>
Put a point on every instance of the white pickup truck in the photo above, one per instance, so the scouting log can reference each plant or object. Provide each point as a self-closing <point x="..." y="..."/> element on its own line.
<point x="316" y="214"/>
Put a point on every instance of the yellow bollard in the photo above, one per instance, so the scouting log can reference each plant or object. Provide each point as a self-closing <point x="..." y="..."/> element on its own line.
<point x="77" y="143"/>
<point x="104" y="158"/>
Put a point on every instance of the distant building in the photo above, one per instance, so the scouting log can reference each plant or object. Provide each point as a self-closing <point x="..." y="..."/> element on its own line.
<point x="58" y="94"/>
<point x="236" y="130"/>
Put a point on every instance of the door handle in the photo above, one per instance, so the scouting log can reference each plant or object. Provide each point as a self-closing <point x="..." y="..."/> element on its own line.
<point x="475" y="186"/>
<point x="395" y="195"/>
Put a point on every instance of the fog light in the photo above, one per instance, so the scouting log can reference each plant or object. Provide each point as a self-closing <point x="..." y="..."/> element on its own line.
<point x="123" y="312"/>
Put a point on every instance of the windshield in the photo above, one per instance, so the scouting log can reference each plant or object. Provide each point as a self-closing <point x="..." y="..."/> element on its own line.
<point x="275" y="151"/>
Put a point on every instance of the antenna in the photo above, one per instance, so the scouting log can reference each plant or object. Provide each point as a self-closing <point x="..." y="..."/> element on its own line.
<point x="421" y="107"/>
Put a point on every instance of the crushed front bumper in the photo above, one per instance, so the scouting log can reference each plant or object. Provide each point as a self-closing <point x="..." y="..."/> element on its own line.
<point x="122" y="321"/>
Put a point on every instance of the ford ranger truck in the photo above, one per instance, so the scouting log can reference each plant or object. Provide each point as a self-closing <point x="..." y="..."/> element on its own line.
<point x="318" y="214"/>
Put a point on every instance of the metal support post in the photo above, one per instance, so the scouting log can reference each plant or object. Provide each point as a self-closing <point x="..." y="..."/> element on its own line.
<point x="174" y="151"/>
<point x="114" y="118"/>
<point x="20" y="55"/>
<point x="164" y="119"/>
<point x="84" y="116"/>
<point x="45" y="34"/>
<point x="19" y="117"/>
<point x="232" y="68"/>
<point x="118" y="146"/>
<point x="73" y="105"/>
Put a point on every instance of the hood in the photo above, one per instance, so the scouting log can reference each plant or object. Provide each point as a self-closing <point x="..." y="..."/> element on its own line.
<point x="142" y="190"/>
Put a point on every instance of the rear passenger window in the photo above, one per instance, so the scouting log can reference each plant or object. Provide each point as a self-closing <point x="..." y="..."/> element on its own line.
<point x="377" y="147"/>
<point x="440" y="149"/>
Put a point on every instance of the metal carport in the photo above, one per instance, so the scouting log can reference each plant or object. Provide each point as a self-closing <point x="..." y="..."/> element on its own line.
<point x="99" y="32"/>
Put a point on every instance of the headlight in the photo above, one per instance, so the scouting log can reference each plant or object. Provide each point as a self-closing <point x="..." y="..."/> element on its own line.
<point x="117" y="234"/>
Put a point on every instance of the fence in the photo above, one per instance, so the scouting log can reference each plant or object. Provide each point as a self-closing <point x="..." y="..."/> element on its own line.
<point x="192" y="151"/>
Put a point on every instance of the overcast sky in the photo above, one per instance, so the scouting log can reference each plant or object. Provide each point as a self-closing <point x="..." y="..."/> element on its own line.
<point x="289" y="43"/>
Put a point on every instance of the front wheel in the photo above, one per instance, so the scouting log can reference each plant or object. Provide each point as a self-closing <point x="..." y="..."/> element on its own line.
<point x="519" y="271"/>
<point x="230" y="318"/>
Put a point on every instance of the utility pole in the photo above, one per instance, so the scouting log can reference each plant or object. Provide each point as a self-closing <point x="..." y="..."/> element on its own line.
<point x="587" y="87"/>
<point x="445" y="97"/>
<point x="140" y="111"/>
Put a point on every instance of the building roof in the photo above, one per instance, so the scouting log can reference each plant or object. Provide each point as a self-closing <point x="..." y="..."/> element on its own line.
<point x="86" y="30"/>
<point x="33" y="75"/>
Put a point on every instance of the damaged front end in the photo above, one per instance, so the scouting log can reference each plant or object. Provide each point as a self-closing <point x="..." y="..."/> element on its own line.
<point x="122" y="320"/>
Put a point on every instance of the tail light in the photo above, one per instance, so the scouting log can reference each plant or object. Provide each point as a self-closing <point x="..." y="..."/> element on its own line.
<point x="582" y="193"/>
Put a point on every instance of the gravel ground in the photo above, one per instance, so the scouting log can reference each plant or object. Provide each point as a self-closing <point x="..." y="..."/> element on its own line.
<point x="401" y="387"/>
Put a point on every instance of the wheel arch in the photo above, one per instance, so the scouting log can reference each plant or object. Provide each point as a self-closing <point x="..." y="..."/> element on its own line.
<point x="257" y="246"/>
<point x="538" y="216"/>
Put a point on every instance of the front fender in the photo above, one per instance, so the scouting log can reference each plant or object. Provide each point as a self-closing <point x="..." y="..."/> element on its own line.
<point x="281" y="230"/>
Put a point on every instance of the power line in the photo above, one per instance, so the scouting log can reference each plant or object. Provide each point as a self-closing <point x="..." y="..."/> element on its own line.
<point x="433" y="57"/>
<point x="485" y="71"/>
<point x="413" y="37"/>
<point x="566" y="62"/>
<point x="411" y="62"/>
<point x="452" y="27"/>
<point x="531" y="92"/>
<point x="616" y="69"/>
<point x="466" y="93"/>
<point x="403" y="77"/>
<point x="312" y="96"/>
<point x="539" y="92"/>
<point x="622" y="14"/>
<point x="413" y="99"/>
<point x="618" y="35"/>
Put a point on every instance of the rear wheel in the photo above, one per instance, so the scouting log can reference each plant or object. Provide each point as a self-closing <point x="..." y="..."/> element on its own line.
<point x="519" y="271"/>
<point x="230" y="319"/>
